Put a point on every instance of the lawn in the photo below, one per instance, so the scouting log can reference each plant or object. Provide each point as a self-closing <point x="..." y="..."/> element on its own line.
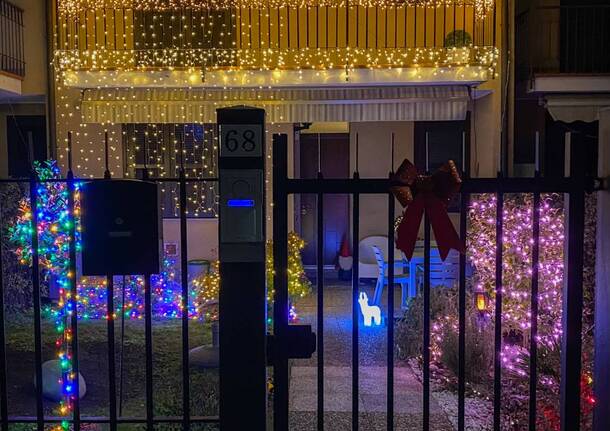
<point x="93" y="360"/>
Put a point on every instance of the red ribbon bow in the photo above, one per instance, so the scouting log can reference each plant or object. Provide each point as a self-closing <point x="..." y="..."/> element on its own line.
<point x="419" y="193"/>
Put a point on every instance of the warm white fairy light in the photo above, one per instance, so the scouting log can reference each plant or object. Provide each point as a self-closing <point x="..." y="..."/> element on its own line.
<point x="109" y="44"/>
<point x="273" y="59"/>
<point x="69" y="7"/>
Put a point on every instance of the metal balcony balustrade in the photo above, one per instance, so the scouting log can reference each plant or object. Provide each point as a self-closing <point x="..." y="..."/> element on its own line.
<point x="12" y="59"/>
<point x="318" y="35"/>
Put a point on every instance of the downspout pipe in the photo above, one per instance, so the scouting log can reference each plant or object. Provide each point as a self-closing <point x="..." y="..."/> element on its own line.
<point x="50" y="99"/>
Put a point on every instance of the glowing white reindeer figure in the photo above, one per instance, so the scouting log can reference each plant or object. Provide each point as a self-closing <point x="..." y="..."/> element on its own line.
<point x="371" y="313"/>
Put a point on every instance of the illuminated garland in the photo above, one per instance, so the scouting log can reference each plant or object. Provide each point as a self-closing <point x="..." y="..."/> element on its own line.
<point x="71" y="7"/>
<point x="274" y="59"/>
<point x="53" y="230"/>
<point x="166" y="296"/>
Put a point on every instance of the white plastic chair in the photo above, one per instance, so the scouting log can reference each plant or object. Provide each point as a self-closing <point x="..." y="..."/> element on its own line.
<point x="400" y="277"/>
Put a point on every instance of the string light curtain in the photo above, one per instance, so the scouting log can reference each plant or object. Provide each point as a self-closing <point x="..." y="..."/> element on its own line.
<point x="273" y="34"/>
<point x="154" y="150"/>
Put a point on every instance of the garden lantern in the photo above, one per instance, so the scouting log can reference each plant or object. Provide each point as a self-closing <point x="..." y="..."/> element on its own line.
<point x="481" y="301"/>
<point x="481" y="304"/>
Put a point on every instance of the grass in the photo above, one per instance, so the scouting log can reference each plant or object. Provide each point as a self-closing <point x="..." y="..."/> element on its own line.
<point x="93" y="360"/>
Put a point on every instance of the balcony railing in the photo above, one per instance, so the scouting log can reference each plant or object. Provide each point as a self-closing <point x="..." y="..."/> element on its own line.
<point x="12" y="59"/>
<point x="563" y="39"/>
<point x="312" y="34"/>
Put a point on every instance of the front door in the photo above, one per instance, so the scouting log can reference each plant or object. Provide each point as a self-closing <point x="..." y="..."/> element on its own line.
<point x="330" y="153"/>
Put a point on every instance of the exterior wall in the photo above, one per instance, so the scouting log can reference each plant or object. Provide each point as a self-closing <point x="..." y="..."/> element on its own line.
<point x="203" y="232"/>
<point x="374" y="161"/>
<point x="31" y="99"/>
<point x="485" y="137"/>
<point x="87" y="139"/>
<point x="35" y="45"/>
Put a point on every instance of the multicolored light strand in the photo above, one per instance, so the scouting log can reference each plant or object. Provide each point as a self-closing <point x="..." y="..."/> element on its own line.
<point x="54" y="234"/>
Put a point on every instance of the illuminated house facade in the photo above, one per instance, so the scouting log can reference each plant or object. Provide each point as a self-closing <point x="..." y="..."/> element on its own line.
<point x="153" y="73"/>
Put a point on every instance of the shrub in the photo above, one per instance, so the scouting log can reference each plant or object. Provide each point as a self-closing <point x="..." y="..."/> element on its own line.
<point x="410" y="329"/>
<point x="479" y="353"/>
<point x="444" y="334"/>
<point x="17" y="278"/>
<point x="458" y="39"/>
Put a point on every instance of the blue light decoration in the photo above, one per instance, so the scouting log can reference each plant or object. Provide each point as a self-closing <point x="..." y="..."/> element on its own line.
<point x="370" y="313"/>
<point x="166" y="296"/>
<point x="240" y="203"/>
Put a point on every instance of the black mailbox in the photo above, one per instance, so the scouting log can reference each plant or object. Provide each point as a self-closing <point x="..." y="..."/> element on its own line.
<point x="121" y="228"/>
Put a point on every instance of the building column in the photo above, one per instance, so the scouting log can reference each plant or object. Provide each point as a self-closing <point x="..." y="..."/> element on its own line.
<point x="601" y="376"/>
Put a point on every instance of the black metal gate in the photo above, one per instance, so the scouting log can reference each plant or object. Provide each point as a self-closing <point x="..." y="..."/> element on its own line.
<point x="574" y="187"/>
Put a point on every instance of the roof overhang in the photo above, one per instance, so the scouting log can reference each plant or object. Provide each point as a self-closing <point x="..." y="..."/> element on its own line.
<point x="569" y="108"/>
<point x="359" y="77"/>
<point x="572" y="97"/>
<point x="568" y="83"/>
<point x="283" y="105"/>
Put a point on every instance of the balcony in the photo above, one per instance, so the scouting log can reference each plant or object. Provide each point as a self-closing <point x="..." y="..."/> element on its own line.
<point x="556" y="45"/>
<point x="12" y="61"/>
<point x="269" y="42"/>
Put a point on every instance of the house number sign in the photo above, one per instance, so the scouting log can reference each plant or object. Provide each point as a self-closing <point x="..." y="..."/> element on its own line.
<point x="240" y="140"/>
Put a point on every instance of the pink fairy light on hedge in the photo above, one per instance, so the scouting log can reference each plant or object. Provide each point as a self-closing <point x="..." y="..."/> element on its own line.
<point x="517" y="265"/>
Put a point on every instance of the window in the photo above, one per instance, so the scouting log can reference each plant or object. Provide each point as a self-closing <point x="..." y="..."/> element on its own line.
<point x="154" y="149"/>
<point x="439" y="141"/>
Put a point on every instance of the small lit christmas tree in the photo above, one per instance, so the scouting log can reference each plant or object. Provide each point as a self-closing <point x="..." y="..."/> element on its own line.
<point x="298" y="283"/>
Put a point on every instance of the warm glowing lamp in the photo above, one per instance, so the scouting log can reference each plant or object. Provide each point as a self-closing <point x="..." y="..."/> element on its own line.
<point x="480" y="301"/>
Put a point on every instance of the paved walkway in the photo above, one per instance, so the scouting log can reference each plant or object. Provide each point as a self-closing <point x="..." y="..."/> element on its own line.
<point x="338" y="372"/>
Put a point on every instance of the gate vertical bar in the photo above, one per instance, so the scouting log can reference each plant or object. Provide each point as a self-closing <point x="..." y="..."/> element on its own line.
<point x="355" y="310"/>
<point x="426" y="334"/>
<point x="571" y="345"/>
<point x="36" y="301"/>
<point x="498" y="312"/>
<point x="110" y="319"/>
<point x="465" y="199"/>
<point x="186" y="391"/>
<point x="111" y="356"/>
<point x="390" y="364"/>
<point x="320" y="316"/>
<point x="149" y="350"/>
<point x="3" y="385"/>
<point x="534" y="313"/>
<point x="73" y="296"/>
<point x="280" y="282"/>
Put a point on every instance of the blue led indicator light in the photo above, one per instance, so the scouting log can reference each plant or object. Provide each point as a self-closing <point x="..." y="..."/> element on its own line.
<point x="241" y="203"/>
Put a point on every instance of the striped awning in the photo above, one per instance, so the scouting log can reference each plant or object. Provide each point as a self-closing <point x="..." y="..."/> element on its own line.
<point x="283" y="105"/>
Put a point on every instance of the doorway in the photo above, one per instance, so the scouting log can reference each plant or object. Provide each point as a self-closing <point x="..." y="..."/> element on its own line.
<point x="328" y="152"/>
<point x="27" y="142"/>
